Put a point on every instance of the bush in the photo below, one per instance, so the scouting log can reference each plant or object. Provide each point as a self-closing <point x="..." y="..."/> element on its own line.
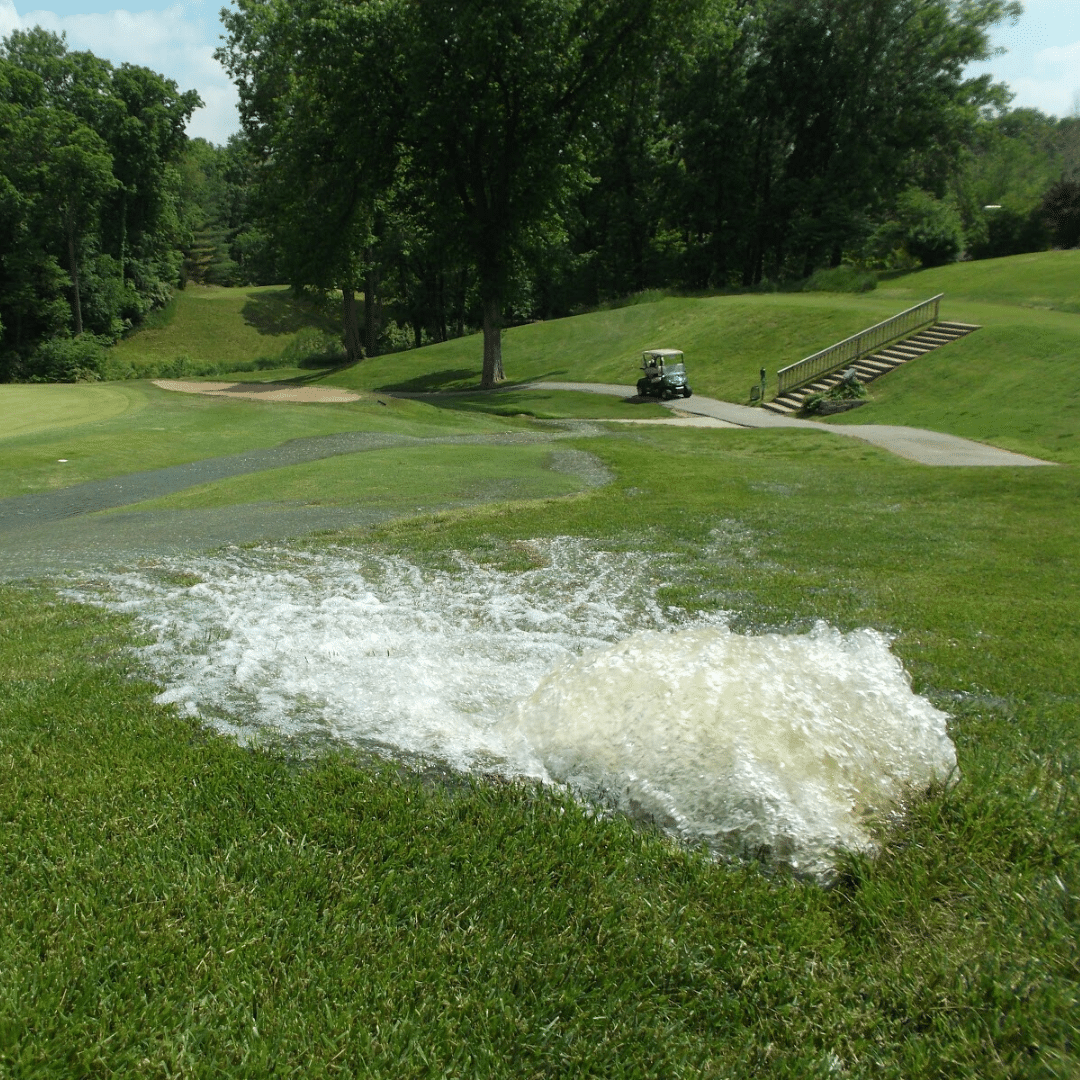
<point x="850" y="388"/>
<point x="310" y="348"/>
<point x="1008" y="232"/>
<point x="930" y="229"/>
<point x="1061" y="212"/>
<point x="68" y="359"/>
<point x="841" y="279"/>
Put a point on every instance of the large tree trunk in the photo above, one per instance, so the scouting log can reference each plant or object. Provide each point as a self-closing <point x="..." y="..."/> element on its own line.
<point x="350" y="327"/>
<point x="73" y="270"/>
<point x="493" y="368"/>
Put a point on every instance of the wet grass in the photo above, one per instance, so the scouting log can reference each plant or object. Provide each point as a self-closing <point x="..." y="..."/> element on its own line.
<point x="174" y="905"/>
<point x="159" y="428"/>
<point x="398" y="478"/>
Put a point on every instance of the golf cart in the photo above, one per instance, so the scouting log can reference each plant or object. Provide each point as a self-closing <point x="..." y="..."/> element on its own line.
<point x="664" y="374"/>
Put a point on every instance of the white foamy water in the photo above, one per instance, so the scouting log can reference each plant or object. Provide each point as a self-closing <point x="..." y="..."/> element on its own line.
<point x="571" y="672"/>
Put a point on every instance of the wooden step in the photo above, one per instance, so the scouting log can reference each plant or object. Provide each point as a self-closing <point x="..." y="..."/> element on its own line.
<point x="874" y="365"/>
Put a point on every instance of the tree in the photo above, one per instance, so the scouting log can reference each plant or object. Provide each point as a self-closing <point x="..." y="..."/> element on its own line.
<point x="320" y="101"/>
<point x="503" y="96"/>
<point x="88" y="184"/>
<point x="1061" y="211"/>
<point x="818" y="118"/>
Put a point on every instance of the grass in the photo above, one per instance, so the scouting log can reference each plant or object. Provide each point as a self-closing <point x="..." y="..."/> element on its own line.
<point x="175" y="905"/>
<point x="172" y="904"/>
<point x="727" y="339"/>
<point x="1015" y="383"/>
<point x="1048" y="280"/>
<point x="159" y="428"/>
<point x="33" y="409"/>
<point x="224" y="328"/>
<point x="396" y="479"/>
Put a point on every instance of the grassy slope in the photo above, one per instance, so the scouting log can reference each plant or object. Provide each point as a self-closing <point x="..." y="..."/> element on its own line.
<point x="727" y="339"/>
<point x="1014" y="383"/>
<point x="172" y="904"/>
<point x="209" y="323"/>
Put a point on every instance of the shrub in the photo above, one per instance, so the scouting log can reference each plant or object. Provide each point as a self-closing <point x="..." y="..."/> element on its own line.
<point x="68" y="359"/>
<point x="850" y="388"/>
<point x="841" y="279"/>
<point x="931" y="229"/>
<point x="1061" y="212"/>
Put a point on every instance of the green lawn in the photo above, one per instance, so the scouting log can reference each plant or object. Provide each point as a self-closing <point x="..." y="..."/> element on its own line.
<point x="1049" y="280"/>
<point x="396" y="479"/>
<point x="219" y="326"/>
<point x="727" y="339"/>
<point x="158" y="428"/>
<point x="1015" y="383"/>
<point x="175" y="905"/>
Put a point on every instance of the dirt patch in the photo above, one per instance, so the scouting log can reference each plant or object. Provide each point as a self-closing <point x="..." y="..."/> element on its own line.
<point x="261" y="391"/>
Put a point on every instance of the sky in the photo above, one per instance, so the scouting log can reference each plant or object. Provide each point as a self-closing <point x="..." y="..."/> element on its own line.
<point x="1041" y="61"/>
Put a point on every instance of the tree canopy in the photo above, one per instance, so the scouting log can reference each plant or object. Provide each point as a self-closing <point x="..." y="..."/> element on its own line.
<point x="89" y="199"/>
<point x="442" y="167"/>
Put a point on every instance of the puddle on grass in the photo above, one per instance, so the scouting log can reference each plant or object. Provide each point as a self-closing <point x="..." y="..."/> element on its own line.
<point x="570" y="672"/>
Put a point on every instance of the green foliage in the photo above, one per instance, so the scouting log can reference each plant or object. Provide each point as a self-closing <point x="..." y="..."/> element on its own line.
<point x="849" y="279"/>
<point x="1061" y="212"/>
<point x="928" y="229"/>
<point x="68" y="359"/>
<point x="88" y="198"/>
<point x="849" y="388"/>
<point x="1012" y="160"/>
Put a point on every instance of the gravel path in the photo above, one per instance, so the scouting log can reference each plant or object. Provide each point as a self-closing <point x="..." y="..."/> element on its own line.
<point x="915" y="444"/>
<point x="55" y="531"/>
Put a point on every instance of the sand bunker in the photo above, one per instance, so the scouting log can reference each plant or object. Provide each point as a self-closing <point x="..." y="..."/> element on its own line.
<point x="261" y="391"/>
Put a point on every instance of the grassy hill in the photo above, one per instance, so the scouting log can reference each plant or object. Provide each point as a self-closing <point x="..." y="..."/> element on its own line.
<point x="1015" y="383"/>
<point x="207" y="328"/>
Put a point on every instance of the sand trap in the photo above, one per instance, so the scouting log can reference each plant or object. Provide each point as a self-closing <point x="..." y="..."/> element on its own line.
<point x="261" y="391"/>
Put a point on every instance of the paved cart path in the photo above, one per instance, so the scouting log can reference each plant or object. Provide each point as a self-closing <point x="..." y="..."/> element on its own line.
<point x="915" y="444"/>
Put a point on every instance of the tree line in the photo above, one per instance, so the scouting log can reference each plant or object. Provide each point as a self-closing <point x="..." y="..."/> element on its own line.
<point x="90" y="216"/>
<point x="441" y="167"/>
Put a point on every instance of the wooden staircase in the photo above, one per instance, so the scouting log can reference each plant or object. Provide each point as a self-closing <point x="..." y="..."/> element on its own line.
<point x="874" y="365"/>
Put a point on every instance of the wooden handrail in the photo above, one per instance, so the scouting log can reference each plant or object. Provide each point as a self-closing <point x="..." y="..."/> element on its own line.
<point x="846" y="352"/>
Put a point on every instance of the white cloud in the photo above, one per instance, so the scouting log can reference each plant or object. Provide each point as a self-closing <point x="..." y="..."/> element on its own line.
<point x="177" y="42"/>
<point x="9" y="18"/>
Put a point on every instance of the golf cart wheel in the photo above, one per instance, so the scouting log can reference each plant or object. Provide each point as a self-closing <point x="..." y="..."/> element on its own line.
<point x="687" y="392"/>
<point x="665" y="394"/>
<point x="642" y="388"/>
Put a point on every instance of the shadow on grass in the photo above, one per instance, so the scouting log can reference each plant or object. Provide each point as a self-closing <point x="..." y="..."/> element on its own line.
<point x="434" y="381"/>
<point x="462" y="381"/>
<point x="279" y="313"/>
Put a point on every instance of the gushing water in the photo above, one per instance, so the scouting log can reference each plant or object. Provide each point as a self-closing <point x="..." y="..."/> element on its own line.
<point x="571" y="672"/>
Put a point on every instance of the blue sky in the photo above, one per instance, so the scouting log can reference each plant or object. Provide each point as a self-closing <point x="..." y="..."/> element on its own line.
<point x="1041" y="64"/>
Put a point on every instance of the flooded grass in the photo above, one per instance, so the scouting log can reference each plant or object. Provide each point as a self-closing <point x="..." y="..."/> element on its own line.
<point x="173" y="903"/>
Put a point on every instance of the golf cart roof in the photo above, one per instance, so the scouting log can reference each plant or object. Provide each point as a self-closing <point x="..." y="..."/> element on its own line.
<point x="662" y="354"/>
